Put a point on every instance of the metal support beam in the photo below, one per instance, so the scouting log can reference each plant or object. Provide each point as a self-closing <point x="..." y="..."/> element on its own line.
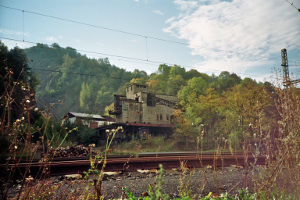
<point x="285" y="68"/>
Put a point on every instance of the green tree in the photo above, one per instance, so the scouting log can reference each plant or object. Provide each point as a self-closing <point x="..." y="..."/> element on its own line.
<point x="174" y="84"/>
<point x="195" y="87"/>
<point x="15" y="77"/>
<point x="86" y="95"/>
<point x="225" y="81"/>
<point x="177" y="70"/>
<point x="104" y="97"/>
<point x="253" y="110"/>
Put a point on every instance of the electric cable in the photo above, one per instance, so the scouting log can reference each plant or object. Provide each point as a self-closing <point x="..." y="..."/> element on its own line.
<point x="292" y="4"/>
<point x="129" y="33"/>
<point x="133" y="59"/>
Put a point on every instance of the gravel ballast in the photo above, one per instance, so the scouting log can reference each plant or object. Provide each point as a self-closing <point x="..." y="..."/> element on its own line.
<point x="199" y="181"/>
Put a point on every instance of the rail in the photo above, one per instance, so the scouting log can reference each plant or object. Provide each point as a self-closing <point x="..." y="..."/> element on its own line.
<point x="143" y="161"/>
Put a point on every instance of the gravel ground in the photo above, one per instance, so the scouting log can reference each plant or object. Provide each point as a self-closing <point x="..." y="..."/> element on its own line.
<point x="199" y="181"/>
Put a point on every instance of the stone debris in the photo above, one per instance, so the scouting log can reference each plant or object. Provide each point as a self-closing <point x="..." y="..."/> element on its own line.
<point x="68" y="152"/>
<point x="29" y="179"/>
<point x="73" y="176"/>
<point x="143" y="171"/>
<point x="147" y="171"/>
<point x="200" y="184"/>
<point x="111" y="173"/>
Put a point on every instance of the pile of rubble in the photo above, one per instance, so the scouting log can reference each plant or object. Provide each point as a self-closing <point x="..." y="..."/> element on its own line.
<point x="75" y="151"/>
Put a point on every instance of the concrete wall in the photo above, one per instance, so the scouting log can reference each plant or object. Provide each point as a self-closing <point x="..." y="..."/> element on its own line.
<point x="134" y="112"/>
<point x="167" y="97"/>
<point x="130" y="112"/>
<point x="135" y="109"/>
<point x="135" y="88"/>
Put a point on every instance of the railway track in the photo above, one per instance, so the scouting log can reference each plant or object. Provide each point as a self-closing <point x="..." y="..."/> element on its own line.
<point x="131" y="163"/>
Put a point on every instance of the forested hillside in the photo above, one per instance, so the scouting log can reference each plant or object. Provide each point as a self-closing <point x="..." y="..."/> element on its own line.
<point x="83" y="84"/>
<point x="87" y="85"/>
<point x="213" y="109"/>
<point x="217" y="103"/>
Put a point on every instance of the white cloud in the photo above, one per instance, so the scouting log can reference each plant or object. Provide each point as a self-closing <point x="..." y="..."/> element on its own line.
<point x="232" y="65"/>
<point x="242" y="32"/>
<point x="51" y="39"/>
<point x="79" y="41"/>
<point x="158" y="12"/>
<point x="11" y="44"/>
<point x="186" y="5"/>
<point x="170" y="20"/>
<point x="144" y="1"/>
<point x="11" y="32"/>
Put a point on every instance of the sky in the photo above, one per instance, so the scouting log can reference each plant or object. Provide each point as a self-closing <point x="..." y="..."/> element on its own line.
<point x="240" y="36"/>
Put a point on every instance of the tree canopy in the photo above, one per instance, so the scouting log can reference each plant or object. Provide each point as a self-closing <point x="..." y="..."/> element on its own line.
<point x="225" y="105"/>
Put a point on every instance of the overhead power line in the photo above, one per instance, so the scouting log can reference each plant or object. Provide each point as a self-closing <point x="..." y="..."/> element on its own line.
<point x="81" y="74"/>
<point x="130" y="33"/>
<point x="94" y="52"/>
<point x="130" y="58"/>
<point x="292" y="4"/>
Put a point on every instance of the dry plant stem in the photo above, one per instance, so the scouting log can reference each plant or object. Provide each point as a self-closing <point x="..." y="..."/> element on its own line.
<point x="245" y="154"/>
<point x="8" y="95"/>
<point x="101" y="175"/>
<point x="274" y="174"/>
<point x="205" y="182"/>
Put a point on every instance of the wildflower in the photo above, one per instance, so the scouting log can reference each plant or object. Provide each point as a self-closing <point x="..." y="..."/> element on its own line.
<point x="22" y="118"/>
<point x="36" y="109"/>
<point x="27" y="101"/>
<point x="16" y="146"/>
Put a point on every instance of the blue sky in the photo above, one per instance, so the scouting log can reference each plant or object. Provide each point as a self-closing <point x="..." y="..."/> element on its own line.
<point x="240" y="36"/>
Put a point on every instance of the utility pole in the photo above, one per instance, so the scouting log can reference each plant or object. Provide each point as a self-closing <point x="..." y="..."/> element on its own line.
<point x="285" y="68"/>
<point x="286" y="82"/>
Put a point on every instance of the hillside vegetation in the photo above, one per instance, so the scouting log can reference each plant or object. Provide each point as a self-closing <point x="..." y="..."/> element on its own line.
<point x="225" y="106"/>
<point x="83" y="84"/>
<point x="88" y="85"/>
<point x="218" y="113"/>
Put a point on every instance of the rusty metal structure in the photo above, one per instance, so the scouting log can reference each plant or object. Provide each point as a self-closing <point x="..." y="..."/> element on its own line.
<point x="143" y="161"/>
<point x="285" y="68"/>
